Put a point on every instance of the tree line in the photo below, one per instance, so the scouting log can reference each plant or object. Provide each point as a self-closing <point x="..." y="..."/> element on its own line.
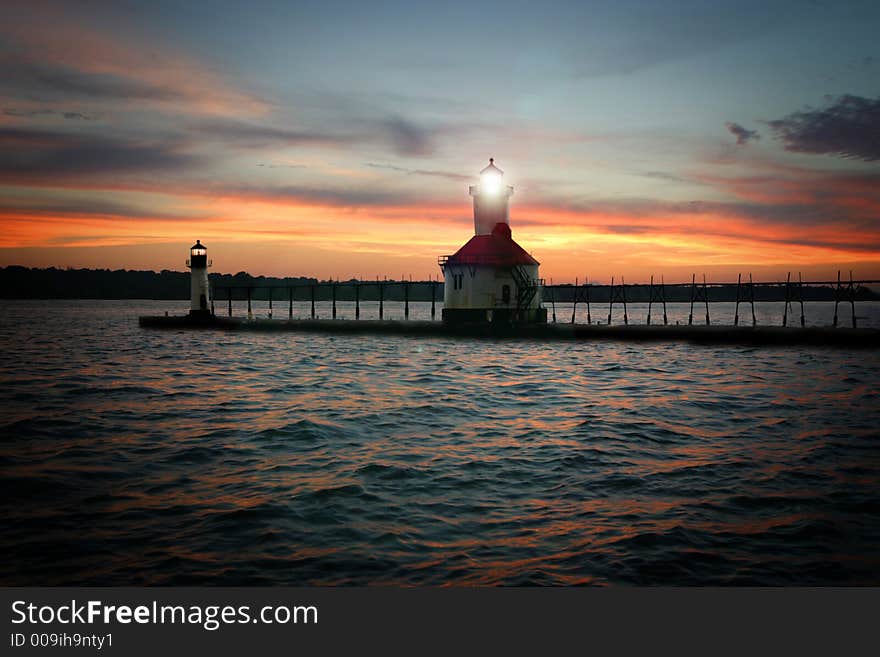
<point x="17" y="282"/>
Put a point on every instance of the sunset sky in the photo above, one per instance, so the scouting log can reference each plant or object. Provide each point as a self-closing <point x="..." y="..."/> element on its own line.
<point x="337" y="139"/>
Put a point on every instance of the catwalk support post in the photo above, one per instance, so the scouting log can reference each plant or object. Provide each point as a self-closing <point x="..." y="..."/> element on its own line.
<point x="618" y="293"/>
<point x="736" y="307"/>
<point x="787" y="304"/>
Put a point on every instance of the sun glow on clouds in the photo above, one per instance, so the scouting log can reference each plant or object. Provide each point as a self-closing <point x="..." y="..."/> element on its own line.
<point x="568" y="244"/>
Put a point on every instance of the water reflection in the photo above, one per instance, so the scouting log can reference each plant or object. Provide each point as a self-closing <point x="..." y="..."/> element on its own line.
<point x="182" y="457"/>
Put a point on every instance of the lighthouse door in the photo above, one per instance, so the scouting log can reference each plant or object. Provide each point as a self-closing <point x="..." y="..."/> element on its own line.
<point x="203" y="302"/>
<point x="505" y="295"/>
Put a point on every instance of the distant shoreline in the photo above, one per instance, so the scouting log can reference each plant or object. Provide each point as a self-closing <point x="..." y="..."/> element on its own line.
<point x="17" y="282"/>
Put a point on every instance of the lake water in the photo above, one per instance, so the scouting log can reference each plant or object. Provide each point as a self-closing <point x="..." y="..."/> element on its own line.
<point x="133" y="456"/>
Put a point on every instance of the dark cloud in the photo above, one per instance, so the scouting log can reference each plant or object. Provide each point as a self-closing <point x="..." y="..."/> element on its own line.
<point x="40" y="155"/>
<point x="252" y="135"/>
<point x="668" y="177"/>
<point x="271" y="165"/>
<point x="813" y="211"/>
<point x="743" y="136"/>
<point x="399" y="135"/>
<point x="79" y="116"/>
<point x="35" y="113"/>
<point x="92" y="207"/>
<point x="849" y="127"/>
<point x="38" y="81"/>
<point x="346" y="197"/>
<point x="457" y="177"/>
<point x="790" y="214"/>
<point x="407" y="138"/>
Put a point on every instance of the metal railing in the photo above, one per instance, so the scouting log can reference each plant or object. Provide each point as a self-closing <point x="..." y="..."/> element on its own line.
<point x="699" y="293"/>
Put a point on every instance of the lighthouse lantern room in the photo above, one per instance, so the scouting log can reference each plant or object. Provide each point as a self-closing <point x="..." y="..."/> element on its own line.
<point x="200" y="292"/>
<point x="491" y="278"/>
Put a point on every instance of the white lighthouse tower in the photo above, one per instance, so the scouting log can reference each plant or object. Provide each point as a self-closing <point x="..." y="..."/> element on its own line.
<point x="200" y="291"/>
<point x="491" y="278"/>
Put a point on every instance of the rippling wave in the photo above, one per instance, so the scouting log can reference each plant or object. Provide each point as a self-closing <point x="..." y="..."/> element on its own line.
<point x="131" y="456"/>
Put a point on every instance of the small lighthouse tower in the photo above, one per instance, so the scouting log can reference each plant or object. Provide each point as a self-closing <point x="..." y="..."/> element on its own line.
<point x="491" y="278"/>
<point x="200" y="291"/>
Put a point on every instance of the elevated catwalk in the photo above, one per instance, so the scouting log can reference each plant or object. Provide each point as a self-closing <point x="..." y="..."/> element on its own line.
<point x="864" y="338"/>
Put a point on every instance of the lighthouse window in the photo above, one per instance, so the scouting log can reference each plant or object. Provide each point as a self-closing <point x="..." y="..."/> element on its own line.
<point x="457" y="281"/>
<point x="505" y="294"/>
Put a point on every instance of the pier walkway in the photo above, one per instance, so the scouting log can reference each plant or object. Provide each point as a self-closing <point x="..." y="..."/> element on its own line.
<point x="741" y="335"/>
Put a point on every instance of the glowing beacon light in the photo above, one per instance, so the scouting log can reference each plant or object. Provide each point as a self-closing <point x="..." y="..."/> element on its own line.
<point x="490" y="178"/>
<point x="491" y="199"/>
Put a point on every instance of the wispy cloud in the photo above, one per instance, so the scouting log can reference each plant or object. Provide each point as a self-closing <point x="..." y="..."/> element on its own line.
<point x="398" y="135"/>
<point x="326" y="196"/>
<point x="39" y="208"/>
<point x="61" y="58"/>
<point x="449" y="175"/>
<point x="42" y="81"/>
<point x="252" y="135"/>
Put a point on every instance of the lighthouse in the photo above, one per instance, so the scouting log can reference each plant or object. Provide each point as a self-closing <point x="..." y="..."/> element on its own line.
<point x="200" y="293"/>
<point x="491" y="278"/>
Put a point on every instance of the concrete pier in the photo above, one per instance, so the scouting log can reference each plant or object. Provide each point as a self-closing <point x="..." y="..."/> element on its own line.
<point x="863" y="338"/>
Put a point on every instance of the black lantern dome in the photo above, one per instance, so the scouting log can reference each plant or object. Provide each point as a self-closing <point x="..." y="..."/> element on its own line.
<point x="198" y="255"/>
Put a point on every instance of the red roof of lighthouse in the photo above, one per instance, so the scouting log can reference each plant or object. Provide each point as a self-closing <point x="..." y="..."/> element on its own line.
<point x="498" y="249"/>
